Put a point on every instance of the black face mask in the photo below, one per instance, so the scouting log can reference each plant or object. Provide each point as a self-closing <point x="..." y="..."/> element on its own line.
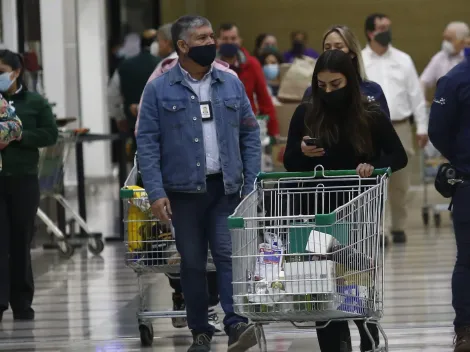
<point x="203" y="55"/>
<point x="228" y="50"/>
<point x="384" y="38"/>
<point x="335" y="100"/>
<point x="298" y="47"/>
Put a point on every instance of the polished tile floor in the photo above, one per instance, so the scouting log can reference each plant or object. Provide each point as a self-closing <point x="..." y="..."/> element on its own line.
<point x="88" y="303"/>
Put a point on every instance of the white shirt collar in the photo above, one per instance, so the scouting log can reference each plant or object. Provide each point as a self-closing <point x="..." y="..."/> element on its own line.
<point x="188" y="76"/>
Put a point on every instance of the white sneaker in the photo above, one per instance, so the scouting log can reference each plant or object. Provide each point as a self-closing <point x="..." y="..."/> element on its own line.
<point x="214" y="320"/>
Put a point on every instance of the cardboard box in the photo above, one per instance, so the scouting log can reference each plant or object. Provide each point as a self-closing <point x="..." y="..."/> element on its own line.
<point x="278" y="156"/>
<point x="310" y="277"/>
<point x="284" y="114"/>
<point x="354" y="299"/>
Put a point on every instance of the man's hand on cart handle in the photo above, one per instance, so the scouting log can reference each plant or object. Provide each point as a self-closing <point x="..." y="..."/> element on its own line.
<point x="364" y="170"/>
<point x="161" y="209"/>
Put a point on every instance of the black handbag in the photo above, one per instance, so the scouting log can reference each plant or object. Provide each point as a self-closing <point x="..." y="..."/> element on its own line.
<point x="446" y="179"/>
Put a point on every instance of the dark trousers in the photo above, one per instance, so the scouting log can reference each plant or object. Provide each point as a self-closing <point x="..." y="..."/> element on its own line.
<point x="336" y="336"/>
<point x="200" y="220"/>
<point x="461" y="275"/>
<point x="175" y="283"/>
<point x="19" y="201"/>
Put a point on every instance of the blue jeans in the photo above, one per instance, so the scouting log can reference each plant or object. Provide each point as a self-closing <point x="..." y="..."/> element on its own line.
<point x="461" y="276"/>
<point x="200" y="222"/>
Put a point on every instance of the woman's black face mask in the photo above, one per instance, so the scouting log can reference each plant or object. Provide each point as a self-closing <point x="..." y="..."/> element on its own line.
<point x="337" y="99"/>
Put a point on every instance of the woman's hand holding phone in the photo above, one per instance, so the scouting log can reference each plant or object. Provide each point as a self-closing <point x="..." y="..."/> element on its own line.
<point x="311" y="151"/>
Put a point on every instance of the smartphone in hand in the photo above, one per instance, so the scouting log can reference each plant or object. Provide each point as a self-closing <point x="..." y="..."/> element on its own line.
<point x="313" y="142"/>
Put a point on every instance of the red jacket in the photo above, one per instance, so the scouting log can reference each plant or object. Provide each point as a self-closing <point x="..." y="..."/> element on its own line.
<point x="252" y="76"/>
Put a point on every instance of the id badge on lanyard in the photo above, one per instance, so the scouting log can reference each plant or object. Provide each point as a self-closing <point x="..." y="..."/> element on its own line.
<point x="206" y="111"/>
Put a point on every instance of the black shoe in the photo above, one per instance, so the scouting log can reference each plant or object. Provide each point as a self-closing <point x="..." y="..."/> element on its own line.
<point x="201" y="343"/>
<point x="462" y="339"/>
<point x="178" y="305"/>
<point x="26" y="314"/>
<point x="399" y="236"/>
<point x="384" y="240"/>
<point x="241" y="337"/>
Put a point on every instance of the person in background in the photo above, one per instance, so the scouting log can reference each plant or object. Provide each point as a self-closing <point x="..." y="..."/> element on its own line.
<point x="354" y="134"/>
<point x="449" y="132"/>
<point x="395" y="71"/>
<point x="165" y="44"/>
<point x="19" y="186"/>
<point x="196" y="174"/>
<point x="271" y="61"/>
<point x="128" y="82"/>
<point x="299" y="47"/>
<point x="114" y="58"/>
<point x="450" y="55"/>
<point x="250" y="73"/>
<point x="262" y="42"/>
<point x="342" y="38"/>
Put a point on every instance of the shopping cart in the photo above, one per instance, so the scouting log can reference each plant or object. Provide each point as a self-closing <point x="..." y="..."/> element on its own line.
<point x="51" y="174"/>
<point x="431" y="160"/>
<point x="150" y="248"/>
<point x="299" y="268"/>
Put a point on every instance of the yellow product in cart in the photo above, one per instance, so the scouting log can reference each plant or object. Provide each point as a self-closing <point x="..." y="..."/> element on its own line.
<point x="139" y="219"/>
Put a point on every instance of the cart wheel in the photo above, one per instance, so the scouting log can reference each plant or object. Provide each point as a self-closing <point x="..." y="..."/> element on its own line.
<point x="425" y="215"/>
<point x="98" y="248"/>
<point x="146" y="335"/>
<point x="437" y="220"/>
<point x="66" y="250"/>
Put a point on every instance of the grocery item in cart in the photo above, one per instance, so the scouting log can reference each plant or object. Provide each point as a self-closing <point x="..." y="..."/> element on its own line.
<point x="308" y="277"/>
<point x="138" y="218"/>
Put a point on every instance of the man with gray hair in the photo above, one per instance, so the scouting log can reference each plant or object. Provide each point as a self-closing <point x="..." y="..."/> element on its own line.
<point x="451" y="54"/>
<point x="199" y="152"/>
<point x="165" y="44"/>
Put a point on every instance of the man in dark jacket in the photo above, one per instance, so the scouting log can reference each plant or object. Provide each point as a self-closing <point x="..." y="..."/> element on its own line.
<point x="128" y="82"/>
<point x="449" y="131"/>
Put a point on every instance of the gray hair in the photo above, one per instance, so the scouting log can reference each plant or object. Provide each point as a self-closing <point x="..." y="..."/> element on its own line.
<point x="164" y="32"/>
<point x="460" y="28"/>
<point x="183" y="26"/>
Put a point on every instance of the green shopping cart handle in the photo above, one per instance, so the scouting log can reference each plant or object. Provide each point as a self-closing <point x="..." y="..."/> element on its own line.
<point x="318" y="173"/>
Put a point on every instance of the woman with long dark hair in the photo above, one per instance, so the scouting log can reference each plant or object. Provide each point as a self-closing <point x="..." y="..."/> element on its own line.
<point x="19" y="186"/>
<point x="354" y="133"/>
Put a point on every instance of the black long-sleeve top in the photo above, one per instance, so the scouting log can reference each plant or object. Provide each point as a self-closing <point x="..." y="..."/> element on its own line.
<point x="388" y="150"/>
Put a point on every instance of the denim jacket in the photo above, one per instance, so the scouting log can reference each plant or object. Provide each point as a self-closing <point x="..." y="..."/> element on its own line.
<point x="170" y="154"/>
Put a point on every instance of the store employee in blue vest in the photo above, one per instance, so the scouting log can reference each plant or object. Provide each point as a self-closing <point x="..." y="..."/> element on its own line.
<point x="199" y="152"/>
<point x="449" y="131"/>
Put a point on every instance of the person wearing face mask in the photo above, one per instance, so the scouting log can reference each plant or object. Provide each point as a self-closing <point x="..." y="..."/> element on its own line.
<point x="199" y="152"/>
<point x="263" y="42"/>
<point x="299" y="47"/>
<point x="395" y="71"/>
<point x="341" y="37"/>
<point x="271" y="60"/>
<point x="128" y="82"/>
<point x="19" y="186"/>
<point x="250" y="73"/>
<point x="354" y="134"/>
<point x="448" y="57"/>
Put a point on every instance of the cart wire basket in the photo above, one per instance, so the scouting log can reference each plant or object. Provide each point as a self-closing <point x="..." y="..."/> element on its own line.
<point x="308" y="247"/>
<point x="51" y="175"/>
<point x="150" y="248"/>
